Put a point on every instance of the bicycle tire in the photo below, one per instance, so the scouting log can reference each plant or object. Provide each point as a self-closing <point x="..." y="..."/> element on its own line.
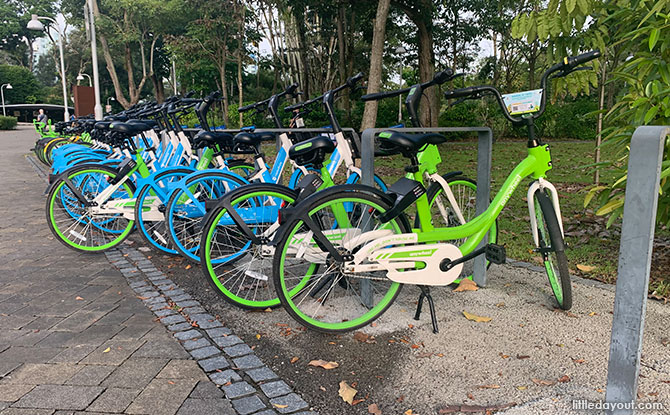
<point x="551" y="242"/>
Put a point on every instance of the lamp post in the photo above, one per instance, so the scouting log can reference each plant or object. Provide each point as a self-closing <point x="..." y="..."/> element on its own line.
<point x="400" y="51"/>
<point x="108" y="107"/>
<point x="35" y="24"/>
<point x="80" y="77"/>
<point x="97" y="109"/>
<point x="3" y="86"/>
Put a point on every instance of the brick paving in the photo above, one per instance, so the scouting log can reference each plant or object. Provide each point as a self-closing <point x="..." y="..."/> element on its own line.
<point x="79" y="334"/>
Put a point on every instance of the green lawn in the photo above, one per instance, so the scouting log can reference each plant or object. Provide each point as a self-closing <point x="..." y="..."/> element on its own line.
<point x="590" y="243"/>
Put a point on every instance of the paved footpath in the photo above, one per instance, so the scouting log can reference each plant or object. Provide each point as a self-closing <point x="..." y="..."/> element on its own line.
<point x="108" y="333"/>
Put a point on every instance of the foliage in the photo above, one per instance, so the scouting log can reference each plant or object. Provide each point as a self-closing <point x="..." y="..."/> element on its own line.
<point x="7" y="123"/>
<point x="23" y="83"/>
<point x="14" y="35"/>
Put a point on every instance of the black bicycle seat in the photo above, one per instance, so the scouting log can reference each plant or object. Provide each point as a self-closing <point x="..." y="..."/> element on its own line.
<point x="409" y="143"/>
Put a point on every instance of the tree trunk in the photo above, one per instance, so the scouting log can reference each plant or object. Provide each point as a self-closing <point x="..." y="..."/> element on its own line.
<point x="430" y="104"/>
<point x="342" y="62"/>
<point x="158" y="89"/>
<point x="532" y="60"/>
<point x="240" y="45"/>
<point x="299" y="17"/>
<point x="375" y="76"/>
<point x="599" y="127"/>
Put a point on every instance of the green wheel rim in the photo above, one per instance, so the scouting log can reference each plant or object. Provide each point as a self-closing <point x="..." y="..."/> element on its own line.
<point x="211" y="274"/>
<point x="548" y="265"/>
<point x="345" y="325"/>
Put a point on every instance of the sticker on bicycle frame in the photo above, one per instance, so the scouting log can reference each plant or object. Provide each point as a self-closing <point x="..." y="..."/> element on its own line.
<point x="524" y="102"/>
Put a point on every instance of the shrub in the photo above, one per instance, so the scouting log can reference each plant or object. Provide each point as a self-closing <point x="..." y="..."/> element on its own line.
<point x="7" y="123"/>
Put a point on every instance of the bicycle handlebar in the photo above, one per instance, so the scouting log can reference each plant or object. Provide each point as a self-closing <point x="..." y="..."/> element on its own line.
<point x="350" y="83"/>
<point x="439" y="78"/>
<point x="564" y="68"/>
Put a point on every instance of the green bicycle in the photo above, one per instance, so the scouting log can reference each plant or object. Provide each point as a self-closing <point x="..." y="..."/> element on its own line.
<point x="343" y="254"/>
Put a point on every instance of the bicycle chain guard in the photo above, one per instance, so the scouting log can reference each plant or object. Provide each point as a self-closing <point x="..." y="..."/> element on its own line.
<point x="419" y="264"/>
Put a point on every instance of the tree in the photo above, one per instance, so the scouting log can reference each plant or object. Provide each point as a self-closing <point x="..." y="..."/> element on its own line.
<point x="15" y="38"/>
<point x="375" y="75"/>
<point x="24" y="85"/>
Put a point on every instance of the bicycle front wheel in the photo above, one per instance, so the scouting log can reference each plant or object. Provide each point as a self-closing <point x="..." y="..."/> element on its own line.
<point x="312" y="285"/>
<point x="552" y="248"/>
<point x="74" y="222"/>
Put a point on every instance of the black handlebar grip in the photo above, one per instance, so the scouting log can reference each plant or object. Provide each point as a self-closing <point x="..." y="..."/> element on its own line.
<point x="444" y="76"/>
<point x="246" y="107"/>
<point x="376" y="96"/>
<point x="213" y="96"/>
<point x="291" y="89"/>
<point x="189" y="94"/>
<point x="464" y="92"/>
<point x="352" y="81"/>
<point x="583" y="58"/>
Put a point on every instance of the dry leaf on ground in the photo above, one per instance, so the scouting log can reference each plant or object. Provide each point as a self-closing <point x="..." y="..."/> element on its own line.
<point x="107" y="350"/>
<point x="364" y="338"/>
<point x="542" y="382"/>
<point x="347" y="393"/>
<point x="374" y="409"/>
<point x="491" y="386"/>
<point x="323" y="364"/>
<point x="585" y="268"/>
<point x="564" y="379"/>
<point x="294" y="359"/>
<point x="466" y="285"/>
<point x="476" y="318"/>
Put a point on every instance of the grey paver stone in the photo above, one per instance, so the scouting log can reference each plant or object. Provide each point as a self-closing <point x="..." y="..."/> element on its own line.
<point x="209" y="324"/>
<point x="238" y="350"/>
<point x="182" y="369"/>
<point x="238" y="390"/>
<point x="73" y="354"/>
<point x="274" y="389"/>
<point x="289" y="403"/>
<point x="59" y="397"/>
<point x="214" y="363"/>
<point x="247" y="362"/>
<point x="119" y="350"/>
<point x="206" y="390"/>
<point x="161" y="348"/>
<point x="248" y="405"/>
<point x="183" y="297"/>
<point x="180" y="327"/>
<point x="174" y="319"/>
<point x="23" y="411"/>
<point x="164" y="312"/>
<point x="11" y="393"/>
<point x="162" y="396"/>
<point x="174" y="293"/>
<point x="40" y="373"/>
<point x="29" y="354"/>
<point x="206" y="407"/>
<point x="135" y="373"/>
<point x="90" y="375"/>
<point x="196" y="343"/>
<point x="193" y="310"/>
<point x="188" y="303"/>
<point x="188" y="335"/>
<point x="158" y="305"/>
<point x="221" y="378"/>
<point x="204" y="352"/>
<point x="226" y="341"/>
<point x="114" y="400"/>
<point x="266" y="412"/>
<point x="218" y="332"/>
<point x="261" y="374"/>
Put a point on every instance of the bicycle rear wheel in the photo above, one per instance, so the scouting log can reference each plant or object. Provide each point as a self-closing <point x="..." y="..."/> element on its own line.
<point x="312" y="285"/>
<point x="552" y="248"/>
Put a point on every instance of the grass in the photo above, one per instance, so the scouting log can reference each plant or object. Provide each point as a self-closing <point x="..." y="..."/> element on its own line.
<point x="590" y="244"/>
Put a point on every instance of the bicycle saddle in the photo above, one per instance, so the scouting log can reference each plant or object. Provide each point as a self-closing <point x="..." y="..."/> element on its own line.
<point x="410" y="143"/>
<point x="209" y="138"/>
<point x="102" y="125"/>
<point x="253" y="139"/>
<point x="149" y="123"/>
<point x="128" y="128"/>
<point x="312" y="151"/>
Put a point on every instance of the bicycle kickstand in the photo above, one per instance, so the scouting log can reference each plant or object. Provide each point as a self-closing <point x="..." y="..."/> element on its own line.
<point x="425" y="293"/>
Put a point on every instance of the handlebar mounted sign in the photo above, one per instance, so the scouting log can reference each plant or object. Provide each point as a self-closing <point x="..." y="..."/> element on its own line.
<point x="525" y="102"/>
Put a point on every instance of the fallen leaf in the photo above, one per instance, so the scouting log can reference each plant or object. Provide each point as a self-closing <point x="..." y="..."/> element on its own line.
<point x="466" y="285"/>
<point x="564" y="379"/>
<point x="500" y="305"/>
<point x="476" y="318"/>
<point x="521" y="357"/>
<point x="107" y="350"/>
<point x="357" y="401"/>
<point x="593" y="313"/>
<point x="373" y="409"/>
<point x="409" y="412"/>
<point x="415" y="346"/>
<point x="364" y="338"/>
<point x="188" y="266"/>
<point x="424" y="355"/>
<point x="521" y="388"/>
<point x="258" y="336"/>
<point x="471" y="396"/>
<point x="542" y="382"/>
<point x="78" y="298"/>
<point x="578" y="360"/>
<point x="323" y="364"/>
<point x="491" y="386"/>
<point x="585" y="268"/>
<point x="170" y="382"/>
<point x="322" y="388"/>
<point x="280" y="406"/>
<point x="294" y="359"/>
<point x="400" y="398"/>
<point x="347" y="393"/>
<point x="411" y="326"/>
<point x="504" y="356"/>
<point x="665" y="341"/>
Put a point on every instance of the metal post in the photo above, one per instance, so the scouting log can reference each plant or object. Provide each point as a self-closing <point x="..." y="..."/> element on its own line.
<point x="2" y="92"/>
<point x="66" y="114"/>
<point x="97" y="109"/>
<point x="484" y="149"/>
<point x="637" y="235"/>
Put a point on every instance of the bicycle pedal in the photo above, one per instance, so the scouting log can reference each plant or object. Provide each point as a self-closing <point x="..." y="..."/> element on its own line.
<point x="496" y="254"/>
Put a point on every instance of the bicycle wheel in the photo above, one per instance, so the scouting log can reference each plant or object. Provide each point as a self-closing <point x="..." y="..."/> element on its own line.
<point x="552" y="248"/>
<point x="51" y="146"/>
<point x="444" y="215"/>
<point x="240" y="167"/>
<point x="311" y="283"/>
<point x="185" y="208"/>
<point x="235" y="266"/>
<point x="152" y="227"/>
<point x="73" y="223"/>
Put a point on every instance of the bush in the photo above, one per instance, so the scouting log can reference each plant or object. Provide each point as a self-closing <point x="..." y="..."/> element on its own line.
<point x="7" y="123"/>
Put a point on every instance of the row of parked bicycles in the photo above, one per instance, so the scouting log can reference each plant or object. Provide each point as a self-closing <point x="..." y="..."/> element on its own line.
<point x="296" y="228"/>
